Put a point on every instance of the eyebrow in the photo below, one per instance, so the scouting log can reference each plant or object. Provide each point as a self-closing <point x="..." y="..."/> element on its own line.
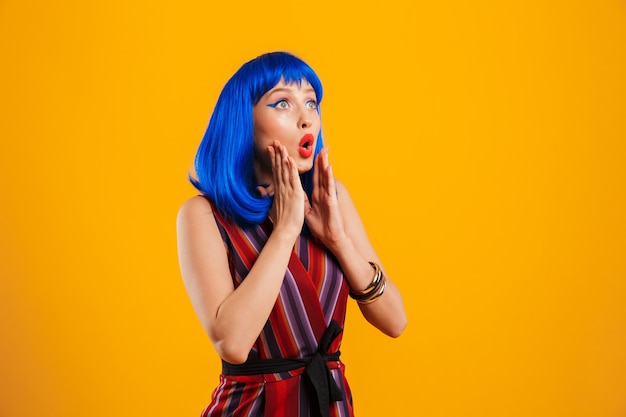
<point x="289" y="90"/>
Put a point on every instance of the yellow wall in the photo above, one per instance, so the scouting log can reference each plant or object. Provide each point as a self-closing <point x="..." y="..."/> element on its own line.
<point x="483" y="142"/>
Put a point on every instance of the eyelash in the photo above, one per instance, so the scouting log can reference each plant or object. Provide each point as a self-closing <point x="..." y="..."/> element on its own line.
<point x="282" y="100"/>
<point x="275" y="104"/>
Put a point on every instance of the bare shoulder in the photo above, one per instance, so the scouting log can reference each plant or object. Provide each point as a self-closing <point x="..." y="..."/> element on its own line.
<point x="200" y="244"/>
<point x="194" y="205"/>
<point x="195" y="220"/>
<point x="194" y="209"/>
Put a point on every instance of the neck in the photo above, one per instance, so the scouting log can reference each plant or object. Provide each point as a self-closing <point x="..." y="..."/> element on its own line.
<point x="263" y="177"/>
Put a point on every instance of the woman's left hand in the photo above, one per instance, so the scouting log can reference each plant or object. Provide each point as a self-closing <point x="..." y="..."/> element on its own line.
<point x="322" y="214"/>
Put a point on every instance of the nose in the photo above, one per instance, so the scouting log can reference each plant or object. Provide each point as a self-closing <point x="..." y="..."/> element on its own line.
<point x="305" y="120"/>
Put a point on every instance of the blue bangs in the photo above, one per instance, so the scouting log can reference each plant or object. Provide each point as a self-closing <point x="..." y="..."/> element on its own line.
<point x="269" y="69"/>
<point x="224" y="163"/>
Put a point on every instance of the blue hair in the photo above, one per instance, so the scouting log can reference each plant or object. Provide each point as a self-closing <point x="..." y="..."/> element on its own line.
<point x="224" y="163"/>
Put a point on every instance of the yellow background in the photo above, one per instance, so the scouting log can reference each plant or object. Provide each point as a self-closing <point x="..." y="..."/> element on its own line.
<point x="483" y="142"/>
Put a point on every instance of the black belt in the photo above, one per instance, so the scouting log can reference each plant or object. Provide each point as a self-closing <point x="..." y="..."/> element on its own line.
<point x="319" y="375"/>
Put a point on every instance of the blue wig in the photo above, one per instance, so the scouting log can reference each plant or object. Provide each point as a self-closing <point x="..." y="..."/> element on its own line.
<point x="224" y="163"/>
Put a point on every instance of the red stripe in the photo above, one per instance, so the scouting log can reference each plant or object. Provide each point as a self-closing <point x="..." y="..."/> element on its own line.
<point x="309" y="296"/>
<point x="317" y="264"/>
<point x="283" y="332"/>
<point x="281" y="397"/>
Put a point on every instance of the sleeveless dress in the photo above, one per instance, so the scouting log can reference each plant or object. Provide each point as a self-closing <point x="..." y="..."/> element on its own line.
<point x="310" y="306"/>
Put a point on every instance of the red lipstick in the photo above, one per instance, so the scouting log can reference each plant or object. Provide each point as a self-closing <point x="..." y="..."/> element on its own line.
<point x="306" y="145"/>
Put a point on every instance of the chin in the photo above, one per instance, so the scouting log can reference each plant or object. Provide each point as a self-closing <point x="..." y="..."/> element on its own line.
<point x="305" y="167"/>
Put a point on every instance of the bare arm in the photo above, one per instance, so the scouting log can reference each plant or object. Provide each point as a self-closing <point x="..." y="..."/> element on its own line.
<point x="333" y="218"/>
<point x="233" y="319"/>
<point x="387" y="313"/>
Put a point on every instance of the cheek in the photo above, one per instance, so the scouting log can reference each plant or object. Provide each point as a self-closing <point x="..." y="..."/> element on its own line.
<point x="317" y="126"/>
<point x="267" y="128"/>
<point x="317" y="121"/>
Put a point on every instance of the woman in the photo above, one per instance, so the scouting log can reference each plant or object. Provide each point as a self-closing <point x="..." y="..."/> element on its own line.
<point x="273" y="247"/>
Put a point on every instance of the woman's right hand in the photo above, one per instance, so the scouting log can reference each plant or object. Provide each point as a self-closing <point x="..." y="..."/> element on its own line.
<point x="287" y="211"/>
<point x="234" y="317"/>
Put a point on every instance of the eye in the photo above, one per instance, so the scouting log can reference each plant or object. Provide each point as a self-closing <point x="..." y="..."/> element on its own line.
<point x="311" y="104"/>
<point x="280" y="104"/>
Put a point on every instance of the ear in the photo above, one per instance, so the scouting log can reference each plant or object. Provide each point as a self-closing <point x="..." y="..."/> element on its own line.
<point x="263" y="190"/>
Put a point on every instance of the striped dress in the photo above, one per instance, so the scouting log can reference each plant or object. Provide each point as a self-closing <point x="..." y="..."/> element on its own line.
<point x="312" y="296"/>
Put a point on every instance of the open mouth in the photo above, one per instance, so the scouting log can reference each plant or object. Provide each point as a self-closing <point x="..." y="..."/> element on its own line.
<point x="306" y="145"/>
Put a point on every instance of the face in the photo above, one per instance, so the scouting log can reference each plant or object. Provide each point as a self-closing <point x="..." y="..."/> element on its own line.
<point x="287" y="113"/>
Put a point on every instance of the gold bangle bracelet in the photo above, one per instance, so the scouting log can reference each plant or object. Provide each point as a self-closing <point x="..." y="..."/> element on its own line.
<point x="376" y="296"/>
<point x="374" y="291"/>
<point x="373" y="284"/>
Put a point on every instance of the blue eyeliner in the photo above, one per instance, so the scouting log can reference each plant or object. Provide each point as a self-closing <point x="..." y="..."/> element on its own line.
<point x="273" y="105"/>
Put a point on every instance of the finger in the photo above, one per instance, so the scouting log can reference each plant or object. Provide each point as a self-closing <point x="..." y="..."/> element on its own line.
<point x="317" y="182"/>
<point x="286" y="165"/>
<point x="330" y="178"/>
<point x="323" y="172"/>
<point x="332" y="189"/>
<point x="275" y="159"/>
<point x="325" y="160"/>
<point x="294" y="176"/>
<point x="279" y="164"/>
<point x="275" y="164"/>
<point x="272" y="154"/>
